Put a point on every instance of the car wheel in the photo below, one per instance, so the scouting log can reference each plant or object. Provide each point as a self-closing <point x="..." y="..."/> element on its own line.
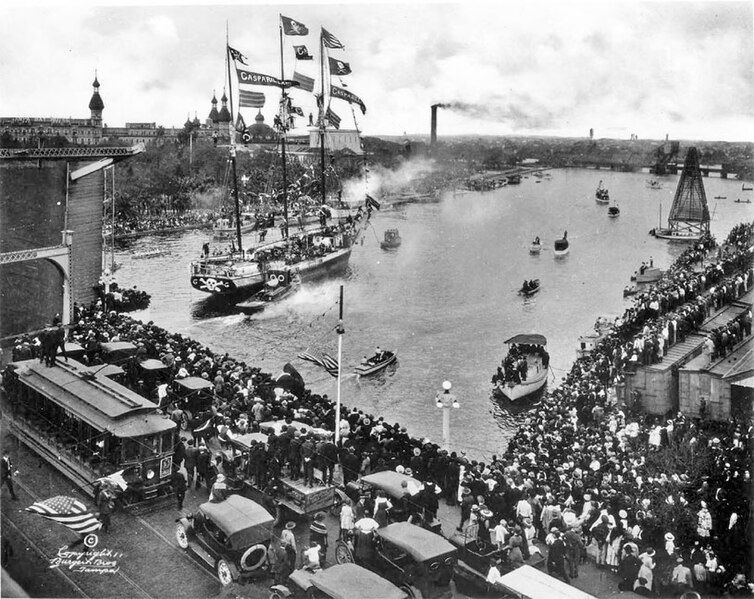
<point x="223" y="573"/>
<point x="181" y="535"/>
<point x="412" y="591"/>
<point x="343" y="554"/>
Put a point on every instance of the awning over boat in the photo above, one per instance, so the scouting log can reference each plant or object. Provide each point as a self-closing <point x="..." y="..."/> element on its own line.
<point x="528" y="339"/>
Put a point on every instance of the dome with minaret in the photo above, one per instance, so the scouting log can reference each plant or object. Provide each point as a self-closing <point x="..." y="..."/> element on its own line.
<point x="96" y="102"/>
<point x="213" y="114"/>
<point x="259" y="132"/>
<point x="224" y="114"/>
<point x="196" y="122"/>
<point x="188" y="120"/>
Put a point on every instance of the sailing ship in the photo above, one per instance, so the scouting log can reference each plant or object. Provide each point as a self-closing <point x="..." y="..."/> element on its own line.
<point x="689" y="216"/>
<point x="309" y="254"/>
<point x="601" y="195"/>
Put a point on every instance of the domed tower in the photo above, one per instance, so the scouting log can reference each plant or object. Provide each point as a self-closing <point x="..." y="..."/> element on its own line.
<point x="213" y="114"/>
<point x="196" y="122"/>
<point x="187" y="124"/>
<point x="96" y="105"/>
<point x="224" y="115"/>
<point x="260" y="132"/>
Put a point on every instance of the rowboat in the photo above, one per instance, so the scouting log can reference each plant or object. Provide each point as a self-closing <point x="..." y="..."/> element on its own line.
<point x="531" y="290"/>
<point x="373" y="367"/>
<point x="392" y="240"/>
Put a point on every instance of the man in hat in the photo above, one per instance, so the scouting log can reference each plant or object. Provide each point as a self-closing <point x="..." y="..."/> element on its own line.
<point x="681" y="579"/>
<point x="574" y="550"/>
<point x="628" y="570"/>
<point x="7" y="473"/>
<point x="287" y="536"/>
<point x="467" y="500"/>
<point x="318" y="534"/>
<point x="556" y="557"/>
<point x="280" y="562"/>
<point x="190" y="461"/>
<point x="494" y="574"/>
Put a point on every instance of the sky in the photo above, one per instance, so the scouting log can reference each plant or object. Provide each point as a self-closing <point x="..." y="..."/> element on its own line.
<point x="510" y="68"/>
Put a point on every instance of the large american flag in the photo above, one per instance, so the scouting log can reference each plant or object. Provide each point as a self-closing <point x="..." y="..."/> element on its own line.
<point x="67" y="511"/>
<point x="326" y="361"/>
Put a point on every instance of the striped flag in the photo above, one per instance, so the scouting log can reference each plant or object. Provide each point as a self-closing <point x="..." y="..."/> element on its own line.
<point x="250" y="99"/>
<point x="332" y="118"/>
<point x="67" y="511"/>
<point x="326" y="361"/>
<point x="304" y="82"/>
<point x="330" y="40"/>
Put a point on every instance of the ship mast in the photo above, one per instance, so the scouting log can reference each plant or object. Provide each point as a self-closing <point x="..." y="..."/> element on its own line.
<point x="233" y="146"/>
<point x="322" y="116"/>
<point x="283" y="126"/>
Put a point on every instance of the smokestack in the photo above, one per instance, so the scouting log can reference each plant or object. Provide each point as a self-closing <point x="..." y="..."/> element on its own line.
<point x="433" y="128"/>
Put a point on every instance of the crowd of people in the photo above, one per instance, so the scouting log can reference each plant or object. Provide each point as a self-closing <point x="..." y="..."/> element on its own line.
<point x="514" y="367"/>
<point x="123" y="299"/>
<point x="127" y="225"/>
<point x="664" y="502"/>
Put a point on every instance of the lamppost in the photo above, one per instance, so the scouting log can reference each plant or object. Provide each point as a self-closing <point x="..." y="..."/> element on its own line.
<point x="446" y="401"/>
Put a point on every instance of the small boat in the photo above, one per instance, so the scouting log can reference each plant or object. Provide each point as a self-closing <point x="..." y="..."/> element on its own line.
<point x="529" y="288"/>
<point x="601" y="195"/>
<point x="629" y="291"/>
<point x="561" y="246"/>
<point x="654" y="184"/>
<point x="148" y="254"/>
<point x="613" y="212"/>
<point x="531" y="349"/>
<point x="650" y="275"/>
<point x="721" y="197"/>
<point x="744" y="188"/>
<point x="588" y="342"/>
<point x="514" y="179"/>
<point x="278" y="286"/>
<point x="740" y="201"/>
<point x="392" y="240"/>
<point x="535" y="247"/>
<point x="376" y="364"/>
<point x="225" y="228"/>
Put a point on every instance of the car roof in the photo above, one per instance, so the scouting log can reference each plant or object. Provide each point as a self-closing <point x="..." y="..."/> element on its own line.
<point x="153" y="364"/>
<point x="347" y="581"/>
<point x="194" y="382"/>
<point x="419" y="543"/>
<point x="236" y="514"/>
<point x="390" y="481"/>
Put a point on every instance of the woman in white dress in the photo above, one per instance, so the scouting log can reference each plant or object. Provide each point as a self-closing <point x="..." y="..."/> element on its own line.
<point x="647" y="566"/>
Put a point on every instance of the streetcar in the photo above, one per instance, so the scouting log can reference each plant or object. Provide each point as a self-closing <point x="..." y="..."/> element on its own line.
<point x="90" y="428"/>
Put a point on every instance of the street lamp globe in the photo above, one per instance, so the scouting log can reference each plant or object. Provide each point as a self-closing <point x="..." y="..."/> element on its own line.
<point x="447" y="385"/>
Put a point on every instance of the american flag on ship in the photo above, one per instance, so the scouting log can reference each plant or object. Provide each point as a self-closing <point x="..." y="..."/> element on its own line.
<point x="326" y="361"/>
<point x="67" y="511"/>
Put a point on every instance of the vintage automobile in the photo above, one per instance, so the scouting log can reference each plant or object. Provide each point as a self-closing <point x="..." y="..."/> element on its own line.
<point x="192" y="394"/>
<point x="412" y="557"/>
<point x="232" y="537"/>
<point x="343" y="581"/>
<point x="391" y="483"/>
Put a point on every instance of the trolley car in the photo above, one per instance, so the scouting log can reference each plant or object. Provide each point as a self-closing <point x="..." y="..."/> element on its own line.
<point x="88" y="426"/>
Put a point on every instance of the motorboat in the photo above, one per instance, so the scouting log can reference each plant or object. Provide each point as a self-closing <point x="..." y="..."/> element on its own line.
<point x="535" y="247"/>
<point x="392" y="240"/>
<point x="278" y="286"/>
<point x="650" y="275"/>
<point x="601" y="195"/>
<point x="613" y="212"/>
<point x="529" y="347"/>
<point x="561" y="246"/>
<point x="376" y="364"/>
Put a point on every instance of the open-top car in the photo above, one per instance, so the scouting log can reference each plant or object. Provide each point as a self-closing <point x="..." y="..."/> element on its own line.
<point x="192" y="394"/>
<point x="412" y="557"/>
<point x="231" y="536"/>
<point x="343" y="581"/>
<point x="391" y="483"/>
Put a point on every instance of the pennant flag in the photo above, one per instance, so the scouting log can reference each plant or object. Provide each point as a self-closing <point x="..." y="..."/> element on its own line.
<point x="372" y="203"/>
<point x="302" y="53"/>
<point x="304" y="82"/>
<point x="67" y="511"/>
<point x="236" y="55"/>
<point x="240" y="124"/>
<point x="291" y="27"/>
<point x="252" y="78"/>
<point x="250" y="99"/>
<point x="332" y="118"/>
<point x="342" y="94"/>
<point x="338" y="67"/>
<point x="296" y="110"/>
<point x="330" y="40"/>
<point x="326" y="361"/>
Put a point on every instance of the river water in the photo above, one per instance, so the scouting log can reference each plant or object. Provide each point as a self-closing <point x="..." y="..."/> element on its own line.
<point x="446" y="300"/>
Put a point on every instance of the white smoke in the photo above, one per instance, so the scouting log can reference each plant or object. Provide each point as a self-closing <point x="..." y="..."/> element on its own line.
<point x="381" y="180"/>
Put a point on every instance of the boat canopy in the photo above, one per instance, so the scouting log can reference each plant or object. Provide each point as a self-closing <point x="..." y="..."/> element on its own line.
<point x="528" y="339"/>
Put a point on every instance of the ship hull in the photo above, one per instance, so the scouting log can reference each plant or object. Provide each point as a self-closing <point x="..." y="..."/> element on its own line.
<point x="331" y="265"/>
<point x="524" y="389"/>
<point x="671" y="235"/>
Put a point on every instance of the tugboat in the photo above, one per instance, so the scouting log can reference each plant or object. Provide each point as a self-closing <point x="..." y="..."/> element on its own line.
<point x="529" y="288"/>
<point x="523" y="371"/>
<point x="561" y="246"/>
<point x="392" y="240"/>
<point x="279" y="285"/>
<point x="535" y="247"/>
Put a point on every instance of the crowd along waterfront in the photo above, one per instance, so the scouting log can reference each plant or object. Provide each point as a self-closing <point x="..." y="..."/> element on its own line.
<point x="447" y="298"/>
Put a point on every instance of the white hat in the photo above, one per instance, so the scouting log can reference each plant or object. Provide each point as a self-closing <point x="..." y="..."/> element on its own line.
<point x="623" y="514"/>
<point x="669" y="536"/>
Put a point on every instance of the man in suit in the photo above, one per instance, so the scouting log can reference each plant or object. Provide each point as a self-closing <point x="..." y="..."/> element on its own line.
<point x="7" y="473"/>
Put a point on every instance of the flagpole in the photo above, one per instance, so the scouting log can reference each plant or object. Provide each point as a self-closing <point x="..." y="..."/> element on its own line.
<point x="233" y="145"/>
<point x="283" y="125"/>
<point x="322" y="116"/>
<point x="340" y="330"/>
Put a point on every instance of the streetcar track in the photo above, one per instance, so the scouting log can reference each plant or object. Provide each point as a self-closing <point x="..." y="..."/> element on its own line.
<point x="8" y="522"/>
<point x="120" y="573"/>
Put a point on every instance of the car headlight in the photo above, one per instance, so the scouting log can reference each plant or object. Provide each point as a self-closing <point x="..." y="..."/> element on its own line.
<point x="150" y="474"/>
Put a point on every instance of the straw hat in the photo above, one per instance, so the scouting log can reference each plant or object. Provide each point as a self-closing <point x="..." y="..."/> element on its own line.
<point x="290" y="525"/>
<point x="669" y="536"/>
